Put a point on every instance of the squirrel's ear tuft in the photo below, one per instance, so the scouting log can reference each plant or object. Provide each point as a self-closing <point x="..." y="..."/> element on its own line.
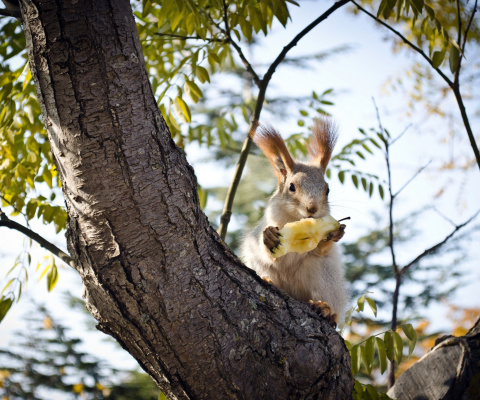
<point x="322" y="142"/>
<point x="273" y="146"/>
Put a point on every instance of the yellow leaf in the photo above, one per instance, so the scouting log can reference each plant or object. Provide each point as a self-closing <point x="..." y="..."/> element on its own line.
<point x="47" y="323"/>
<point x="78" y="388"/>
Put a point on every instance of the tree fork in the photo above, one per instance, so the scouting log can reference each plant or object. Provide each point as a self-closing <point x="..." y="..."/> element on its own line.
<point x="156" y="276"/>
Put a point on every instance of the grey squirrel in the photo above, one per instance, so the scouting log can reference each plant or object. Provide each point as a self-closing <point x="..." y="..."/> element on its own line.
<point x="316" y="276"/>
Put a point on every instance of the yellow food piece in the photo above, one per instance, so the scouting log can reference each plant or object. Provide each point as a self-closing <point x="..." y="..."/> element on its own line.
<point x="304" y="235"/>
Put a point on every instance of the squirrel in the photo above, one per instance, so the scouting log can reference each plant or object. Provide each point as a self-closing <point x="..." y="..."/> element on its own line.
<point x="317" y="276"/>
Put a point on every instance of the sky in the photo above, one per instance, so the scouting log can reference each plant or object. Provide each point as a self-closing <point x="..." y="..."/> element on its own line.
<point x="357" y="76"/>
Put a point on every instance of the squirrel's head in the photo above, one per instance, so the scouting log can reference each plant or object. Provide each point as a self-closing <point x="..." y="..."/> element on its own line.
<point x="302" y="190"/>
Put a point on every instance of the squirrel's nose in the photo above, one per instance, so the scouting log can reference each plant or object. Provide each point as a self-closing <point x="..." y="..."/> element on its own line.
<point x="312" y="209"/>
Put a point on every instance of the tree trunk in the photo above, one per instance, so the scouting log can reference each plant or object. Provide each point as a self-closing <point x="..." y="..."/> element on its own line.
<point x="156" y="276"/>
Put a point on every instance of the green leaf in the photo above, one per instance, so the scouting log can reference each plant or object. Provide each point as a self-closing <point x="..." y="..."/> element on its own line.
<point x="380" y="190"/>
<point x="202" y="74"/>
<point x="368" y="365"/>
<point x="381" y="8"/>
<point x="398" y="347"/>
<point x="454" y="59"/>
<point x="370" y="352"/>
<point x="355" y="180"/>
<point x="246" y="28"/>
<point x="5" y="304"/>
<point x="355" y="358"/>
<point x="389" y="347"/>
<point x="411" y="335"/>
<point x="364" y="184"/>
<point x="192" y="91"/>
<point x="430" y="12"/>
<point x="361" y="303"/>
<point x="341" y="176"/>
<point x="31" y="209"/>
<point x="382" y="354"/>
<point x="52" y="277"/>
<point x="372" y="392"/>
<point x="370" y="189"/>
<point x="437" y="58"/>
<point x="161" y="396"/>
<point x="372" y="305"/>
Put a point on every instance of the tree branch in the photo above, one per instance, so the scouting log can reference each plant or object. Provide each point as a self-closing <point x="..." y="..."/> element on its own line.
<point x="405" y="40"/>
<point x="8" y="223"/>
<point x="464" y="43"/>
<point x="5" y="12"/>
<point x="297" y="38"/>
<point x="235" y="45"/>
<point x="455" y="86"/>
<point x="438" y="245"/>
<point x="468" y="26"/>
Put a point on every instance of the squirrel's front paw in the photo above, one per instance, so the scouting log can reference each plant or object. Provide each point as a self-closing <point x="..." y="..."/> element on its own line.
<point x="271" y="238"/>
<point x="336" y="235"/>
<point x="323" y="308"/>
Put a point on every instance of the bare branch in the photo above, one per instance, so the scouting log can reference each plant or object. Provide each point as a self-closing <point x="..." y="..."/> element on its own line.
<point x="181" y="37"/>
<point x="444" y="216"/>
<point x="469" y="25"/>
<point x="297" y="38"/>
<point x="438" y="245"/>
<point x="412" y="178"/>
<point x="8" y="223"/>
<point x="401" y="134"/>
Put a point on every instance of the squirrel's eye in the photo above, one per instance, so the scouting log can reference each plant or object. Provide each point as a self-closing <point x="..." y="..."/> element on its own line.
<point x="328" y="190"/>
<point x="291" y="187"/>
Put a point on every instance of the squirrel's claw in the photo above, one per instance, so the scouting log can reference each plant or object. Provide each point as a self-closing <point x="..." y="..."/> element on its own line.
<point x="336" y="235"/>
<point x="323" y="308"/>
<point x="271" y="238"/>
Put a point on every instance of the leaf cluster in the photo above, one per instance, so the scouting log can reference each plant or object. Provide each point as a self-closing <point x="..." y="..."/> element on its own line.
<point x="374" y="352"/>
<point x="25" y="158"/>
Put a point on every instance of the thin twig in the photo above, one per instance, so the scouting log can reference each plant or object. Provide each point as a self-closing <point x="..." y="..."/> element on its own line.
<point x="468" y="26"/>
<point x="464" y="43"/>
<point x="444" y="216"/>
<point x="396" y="273"/>
<point x="439" y="244"/>
<point x="297" y="38"/>
<point x="401" y="134"/>
<point x="181" y="37"/>
<point x="412" y="178"/>
<point x="8" y="223"/>
<point x="239" y="50"/>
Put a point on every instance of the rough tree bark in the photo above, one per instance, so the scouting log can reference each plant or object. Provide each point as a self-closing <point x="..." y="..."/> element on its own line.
<point x="156" y="276"/>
